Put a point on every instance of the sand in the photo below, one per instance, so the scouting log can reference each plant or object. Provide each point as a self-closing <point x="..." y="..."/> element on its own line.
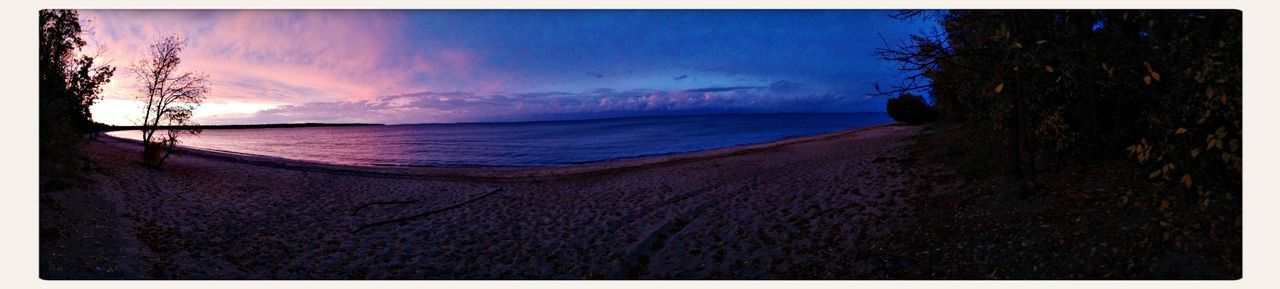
<point x="798" y="208"/>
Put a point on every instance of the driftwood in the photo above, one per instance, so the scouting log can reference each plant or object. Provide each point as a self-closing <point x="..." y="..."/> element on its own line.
<point x="423" y="214"/>
<point x="357" y="210"/>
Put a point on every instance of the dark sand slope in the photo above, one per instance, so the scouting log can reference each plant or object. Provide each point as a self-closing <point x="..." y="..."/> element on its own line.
<point x="800" y="208"/>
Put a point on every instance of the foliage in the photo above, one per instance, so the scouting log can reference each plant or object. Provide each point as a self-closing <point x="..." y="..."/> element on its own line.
<point x="910" y="108"/>
<point x="170" y="96"/>
<point x="1163" y="86"/>
<point x="70" y="82"/>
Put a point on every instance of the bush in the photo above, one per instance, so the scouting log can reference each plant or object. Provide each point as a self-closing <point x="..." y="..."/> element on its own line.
<point x="909" y="108"/>
<point x="1090" y="85"/>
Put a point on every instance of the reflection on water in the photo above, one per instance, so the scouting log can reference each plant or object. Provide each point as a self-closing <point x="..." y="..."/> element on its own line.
<point x="520" y="144"/>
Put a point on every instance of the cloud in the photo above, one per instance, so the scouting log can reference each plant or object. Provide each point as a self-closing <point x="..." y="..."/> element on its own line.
<point x="252" y="53"/>
<point x="454" y="106"/>
<point x="424" y="66"/>
<point x="720" y="89"/>
<point x="288" y="57"/>
<point x="785" y="87"/>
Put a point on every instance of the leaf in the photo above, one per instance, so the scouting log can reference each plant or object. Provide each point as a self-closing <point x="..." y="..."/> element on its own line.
<point x="1194" y="153"/>
<point x="1042" y="42"/>
<point x="999" y="87"/>
<point x="1017" y="45"/>
<point x="1180" y="130"/>
<point x="1146" y="80"/>
<point x="1154" y="174"/>
<point x="1155" y="75"/>
<point x="1186" y="180"/>
<point x="1048" y="68"/>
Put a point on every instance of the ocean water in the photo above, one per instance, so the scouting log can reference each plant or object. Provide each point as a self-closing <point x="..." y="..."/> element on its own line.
<point x="520" y="144"/>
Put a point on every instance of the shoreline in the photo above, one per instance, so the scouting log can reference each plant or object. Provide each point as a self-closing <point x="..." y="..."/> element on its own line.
<point x="508" y="173"/>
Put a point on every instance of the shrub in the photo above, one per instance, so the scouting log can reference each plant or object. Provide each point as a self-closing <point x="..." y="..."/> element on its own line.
<point x="909" y="108"/>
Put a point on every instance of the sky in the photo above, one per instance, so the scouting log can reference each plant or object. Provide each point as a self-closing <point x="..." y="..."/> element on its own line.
<point x="434" y="66"/>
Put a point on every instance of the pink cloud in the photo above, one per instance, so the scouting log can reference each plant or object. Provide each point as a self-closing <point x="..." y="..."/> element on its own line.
<point x="338" y="53"/>
<point x="287" y="57"/>
<point x="655" y="100"/>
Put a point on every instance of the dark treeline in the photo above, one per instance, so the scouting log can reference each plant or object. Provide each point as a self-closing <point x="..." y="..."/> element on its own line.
<point x="70" y="82"/>
<point x="104" y="128"/>
<point x="1159" y="87"/>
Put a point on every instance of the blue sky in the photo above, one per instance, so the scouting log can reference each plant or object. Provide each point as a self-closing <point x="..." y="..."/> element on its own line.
<point x="509" y="65"/>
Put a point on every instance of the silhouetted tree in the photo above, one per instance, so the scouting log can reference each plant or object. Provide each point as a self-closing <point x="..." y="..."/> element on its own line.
<point x="70" y="82"/>
<point x="909" y="108"/>
<point x="170" y="96"/>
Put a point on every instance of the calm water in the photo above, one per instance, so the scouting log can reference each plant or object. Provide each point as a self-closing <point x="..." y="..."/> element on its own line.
<point x="549" y="143"/>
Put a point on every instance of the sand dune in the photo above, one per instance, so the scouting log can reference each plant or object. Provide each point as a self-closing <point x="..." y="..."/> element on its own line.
<point x="799" y="208"/>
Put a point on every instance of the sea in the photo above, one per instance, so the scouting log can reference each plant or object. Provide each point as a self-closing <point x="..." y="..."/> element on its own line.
<point x="519" y="144"/>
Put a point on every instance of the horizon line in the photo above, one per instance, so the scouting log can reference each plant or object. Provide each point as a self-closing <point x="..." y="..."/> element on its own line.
<point x="314" y="124"/>
<point x="623" y="117"/>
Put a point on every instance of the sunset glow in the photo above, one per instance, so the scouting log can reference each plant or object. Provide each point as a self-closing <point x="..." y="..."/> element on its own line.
<point x="439" y="66"/>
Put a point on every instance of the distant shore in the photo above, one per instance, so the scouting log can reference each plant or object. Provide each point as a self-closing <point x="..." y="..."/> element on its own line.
<point x="788" y="209"/>
<point x="108" y="128"/>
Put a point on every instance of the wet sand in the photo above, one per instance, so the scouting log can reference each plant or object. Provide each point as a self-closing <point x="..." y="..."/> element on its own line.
<point x="799" y="208"/>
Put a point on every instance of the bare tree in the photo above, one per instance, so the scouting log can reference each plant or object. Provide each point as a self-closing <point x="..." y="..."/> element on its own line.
<point x="170" y="96"/>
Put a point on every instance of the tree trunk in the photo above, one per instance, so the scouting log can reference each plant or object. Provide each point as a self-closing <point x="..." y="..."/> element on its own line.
<point x="1021" y="136"/>
<point x="1015" y="119"/>
<point x="1015" y="136"/>
<point x="151" y="154"/>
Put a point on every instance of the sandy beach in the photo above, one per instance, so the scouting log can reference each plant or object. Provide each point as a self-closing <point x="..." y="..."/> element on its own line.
<point x="798" y="208"/>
